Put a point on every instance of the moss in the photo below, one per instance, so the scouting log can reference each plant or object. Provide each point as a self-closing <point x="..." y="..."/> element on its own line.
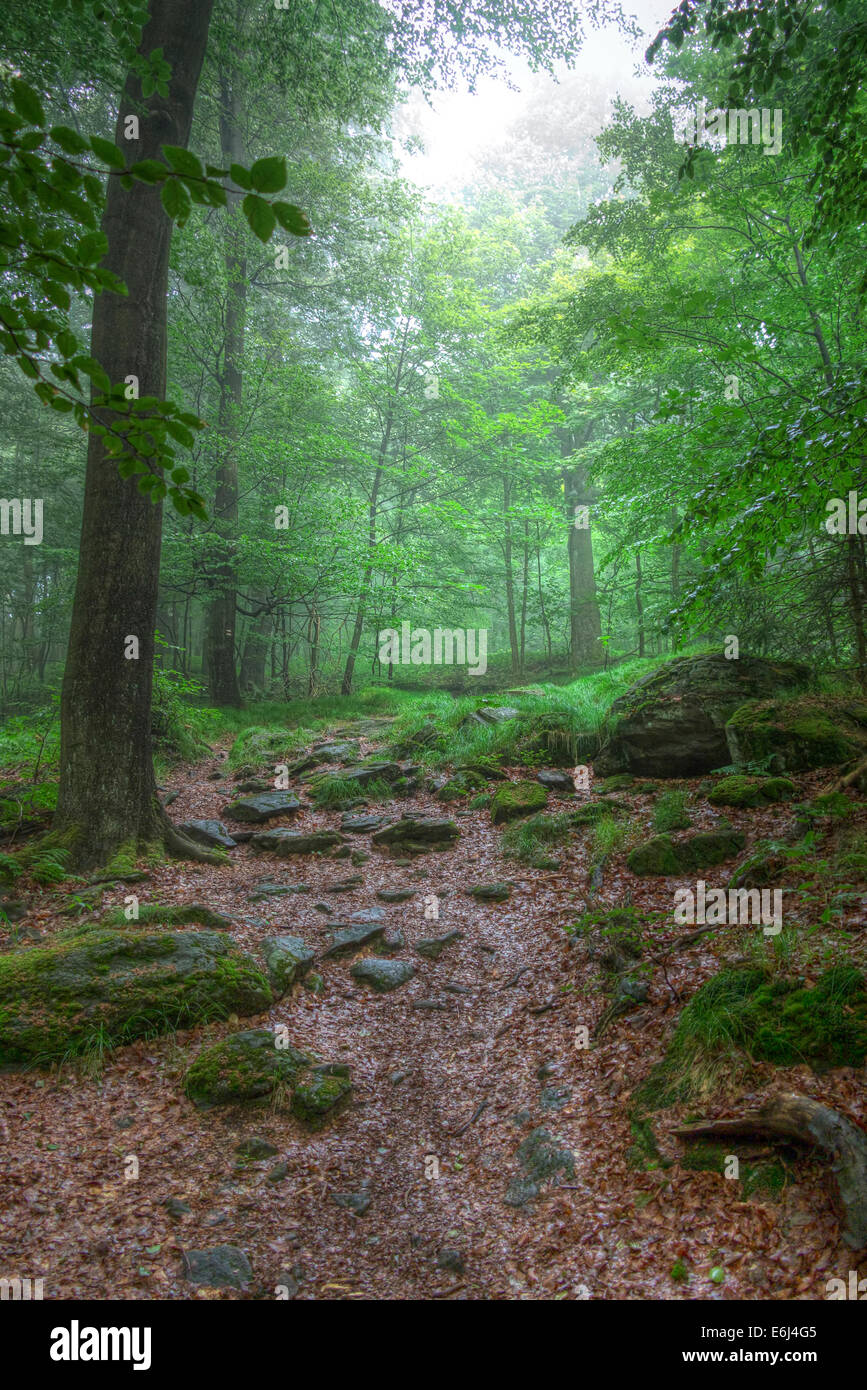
<point x="530" y="841"/>
<point x="704" y="1158"/>
<point x="618" y="782"/>
<point x="808" y="732"/>
<point x="751" y="791"/>
<point x="662" y="855"/>
<point x="594" y="811"/>
<point x="316" y="1098"/>
<point x="120" y="985"/>
<point x="246" y="1067"/>
<point x="515" y="799"/>
<point x="744" y="1014"/>
<point x="168" y="915"/>
<point x="670" y="812"/>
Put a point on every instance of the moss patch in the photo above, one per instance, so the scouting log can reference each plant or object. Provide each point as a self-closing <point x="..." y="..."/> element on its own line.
<point x="751" y="791"/>
<point x="662" y="855"/>
<point x="516" y="799"/>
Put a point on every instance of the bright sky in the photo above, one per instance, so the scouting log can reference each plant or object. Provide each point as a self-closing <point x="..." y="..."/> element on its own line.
<point x="461" y="124"/>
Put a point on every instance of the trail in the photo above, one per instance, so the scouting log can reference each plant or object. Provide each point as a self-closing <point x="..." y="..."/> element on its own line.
<point x="444" y="1095"/>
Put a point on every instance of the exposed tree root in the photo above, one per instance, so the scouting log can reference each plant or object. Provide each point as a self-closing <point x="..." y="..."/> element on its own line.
<point x="854" y="775"/>
<point x="795" y="1117"/>
<point x="182" y="848"/>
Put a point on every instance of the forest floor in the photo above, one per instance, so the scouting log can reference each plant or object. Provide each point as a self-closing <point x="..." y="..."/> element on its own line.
<point x="443" y="1098"/>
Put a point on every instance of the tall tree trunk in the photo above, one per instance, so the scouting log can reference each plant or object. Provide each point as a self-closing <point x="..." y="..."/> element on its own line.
<point x="510" y="578"/>
<point x="107" y="795"/>
<point x="222" y="610"/>
<point x="255" y="651"/>
<point x="639" y="602"/>
<point x="585" y="623"/>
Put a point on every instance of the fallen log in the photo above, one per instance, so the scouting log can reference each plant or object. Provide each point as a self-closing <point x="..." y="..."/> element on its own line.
<point x="788" y="1116"/>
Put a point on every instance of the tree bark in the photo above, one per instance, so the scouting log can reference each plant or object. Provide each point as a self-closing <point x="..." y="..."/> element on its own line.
<point x="107" y="795"/>
<point x="798" y="1117"/>
<point x="585" y="623"/>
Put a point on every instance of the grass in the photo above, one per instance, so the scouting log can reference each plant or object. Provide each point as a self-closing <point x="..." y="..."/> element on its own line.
<point x="526" y="841"/>
<point x="609" y="836"/>
<point x="339" y="793"/>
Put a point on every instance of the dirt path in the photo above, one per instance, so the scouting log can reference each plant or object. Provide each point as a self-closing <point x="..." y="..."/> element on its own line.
<point x="444" y="1096"/>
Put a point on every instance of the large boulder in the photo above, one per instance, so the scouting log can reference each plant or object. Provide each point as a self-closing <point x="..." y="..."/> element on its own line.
<point x="672" y="723"/>
<point x="796" y="735"/>
<point x="256" y="809"/>
<point x="112" y="986"/>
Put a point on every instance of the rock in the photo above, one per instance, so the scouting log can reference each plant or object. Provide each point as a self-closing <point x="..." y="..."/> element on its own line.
<point x="591" y="812"/>
<point x="288" y="959"/>
<point x="452" y="1260"/>
<point x="320" y="1096"/>
<point x="266" y="889"/>
<point x="208" y="832"/>
<point x="392" y="942"/>
<point x="491" y="892"/>
<point x="336" y="752"/>
<point x="765" y="865"/>
<point x="540" y="1159"/>
<point x="417" y="833"/>
<point x="358" y="857"/>
<point x="119" y="985"/>
<point x="344" y="885"/>
<point x="286" y="1285"/>
<point x="618" y="783"/>
<point x="253" y="784"/>
<point x="357" y="1202"/>
<point x="278" y="1173"/>
<point x="382" y="975"/>
<point x="555" y="781"/>
<point x="499" y="715"/>
<point x="663" y="855"/>
<point x="370" y="772"/>
<point x="175" y="1207"/>
<point x="261" y="808"/>
<point x="256" y="1149"/>
<point x="751" y="791"/>
<point x="284" y="842"/>
<point x="672" y="723"/>
<point x="223" y="1267"/>
<point x="363" y="824"/>
<point x="516" y="799"/>
<point x="554" y="1097"/>
<point x="245" y="1067"/>
<point x="395" y="895"/>
<point x="461" y="784"/>
<point x="348" y="940"/>
<point x="813" y="731"/>
<point x="432" y="947"/>
<point x="368" y="916"/>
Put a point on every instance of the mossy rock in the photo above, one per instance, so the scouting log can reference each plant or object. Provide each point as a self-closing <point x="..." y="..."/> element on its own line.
<point x="100" y="987"/>
<point x="168" y="915"/>
<point x="618" y="783"/>
<point x="663" y="855"/>
<point x="516" y="799"/>
<point x="672" y="722"/>
<point x="747" y="1014"/>
<point x="243" y="1068"/>
<point x="751" y="791"/>
<point x="592" y="812"/>
<point x="809" y="732"/>
<point x="415" y="834"/>
<point x="460" y="785"/>
<point x="764" y="866"/>
<point x="288" y="959"/>
<point x="321" y="1095"/>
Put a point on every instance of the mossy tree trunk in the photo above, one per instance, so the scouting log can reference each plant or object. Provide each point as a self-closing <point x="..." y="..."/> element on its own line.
<point x="107" y="794"/>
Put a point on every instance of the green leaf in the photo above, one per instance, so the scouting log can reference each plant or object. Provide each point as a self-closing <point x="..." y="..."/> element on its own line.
<point x="176" y="201"/>
<point x="27" y="103"/>
<point x="269" y="175"/>
<point x="240" y="176"/>
<point x="260" y="216"/>
<point x="292" y="219"/>
<point x="149" y="171"/>
<point x="69" y="140"/>
<point x="183" y="161"/>
<point x="107" y="152"/>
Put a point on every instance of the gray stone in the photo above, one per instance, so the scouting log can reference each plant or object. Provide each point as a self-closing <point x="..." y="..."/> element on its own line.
<point x="348" y="940"/>
<point x="208" y="832"/>
<point x="432" y="947"/>
<point x="223" y="1267"/>
<point x="382" y="975"/>
<point x="288" y="958"/>
<point x="264" y="807"/>
<point x="284" y="842"/>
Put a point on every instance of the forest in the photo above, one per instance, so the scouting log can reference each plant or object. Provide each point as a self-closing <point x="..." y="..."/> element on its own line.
<point x="433" y="439"/>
